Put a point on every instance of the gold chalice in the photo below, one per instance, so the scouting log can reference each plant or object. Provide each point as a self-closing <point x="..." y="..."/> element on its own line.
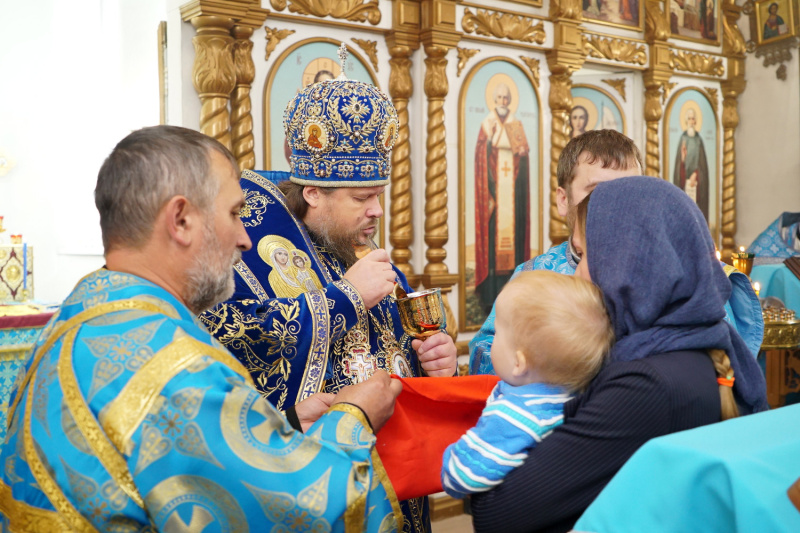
<point x="422" y="313"/>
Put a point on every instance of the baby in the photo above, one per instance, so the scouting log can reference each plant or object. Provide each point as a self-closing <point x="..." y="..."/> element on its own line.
<point x="552" y="338"/>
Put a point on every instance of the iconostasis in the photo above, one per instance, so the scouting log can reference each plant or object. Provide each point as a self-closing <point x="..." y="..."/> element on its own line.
<point x="488" y="94"/>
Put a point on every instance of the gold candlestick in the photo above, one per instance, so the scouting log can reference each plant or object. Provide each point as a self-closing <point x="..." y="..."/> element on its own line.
<point x="743" y="262"/>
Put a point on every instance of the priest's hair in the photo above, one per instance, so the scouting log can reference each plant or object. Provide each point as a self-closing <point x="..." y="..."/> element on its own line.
<point x="144" y="171"/>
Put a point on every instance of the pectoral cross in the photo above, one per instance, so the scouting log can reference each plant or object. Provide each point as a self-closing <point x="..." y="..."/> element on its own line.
<point x="357" y="366"/>
<point x="506" y="169"/>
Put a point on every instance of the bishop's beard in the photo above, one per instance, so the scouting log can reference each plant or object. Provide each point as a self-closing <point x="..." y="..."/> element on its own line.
<point x="341" y="244"/>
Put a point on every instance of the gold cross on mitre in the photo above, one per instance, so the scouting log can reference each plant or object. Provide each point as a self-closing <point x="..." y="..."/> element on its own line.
<point x="342" y="60"/>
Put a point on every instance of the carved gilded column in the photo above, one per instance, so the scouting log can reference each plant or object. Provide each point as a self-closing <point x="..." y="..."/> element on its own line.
<point x="733" y="46"/>
<point x="241" y="105"/>
<point x="213" y="74"/>
<point x="656" y="78"/>
<point x="241" y="117"/>
<point x="566" y="57"/>
<point x="402" y="42"/>
<point x="438" y="19"/>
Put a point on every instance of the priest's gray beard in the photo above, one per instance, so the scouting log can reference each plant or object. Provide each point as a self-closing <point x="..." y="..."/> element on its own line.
<point x="209" y="281"/>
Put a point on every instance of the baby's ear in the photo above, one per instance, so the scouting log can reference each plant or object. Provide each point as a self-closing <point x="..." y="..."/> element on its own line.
<point x="521" y="363"/>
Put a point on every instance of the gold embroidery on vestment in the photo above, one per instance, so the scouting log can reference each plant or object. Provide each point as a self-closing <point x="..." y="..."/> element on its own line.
<point x="105" y="452"/>
<point x="122" y="417"/>
<point x="46" y="483"/>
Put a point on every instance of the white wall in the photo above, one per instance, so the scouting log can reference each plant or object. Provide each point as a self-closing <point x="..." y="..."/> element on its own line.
<point x="75" y="77"/>
<point x="767" y="145"/>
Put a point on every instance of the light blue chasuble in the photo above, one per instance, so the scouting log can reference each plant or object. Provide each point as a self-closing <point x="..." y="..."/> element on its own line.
<point x="131" y="417"/>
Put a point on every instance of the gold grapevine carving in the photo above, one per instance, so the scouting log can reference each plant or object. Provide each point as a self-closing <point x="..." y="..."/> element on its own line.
<point x="656" y="25"/>
<point x="503" y="26"/>
<point x="352" y="10"/>
<point x="618" y="85"/>
<point x="560" y="101"/>
<point x="278" y="5"/>
<point x="566" y="9"/>
<point x="370" y="48"/>
<point x="696" y="63"/>
<point x="214" y="75"/>
<point x="652" y="117"/>
<point x="730" y="119"/>
<point x="464" y="55"/>
<point x="733" y="43"/>
<point x="241" y="106"/>
<point x="401" y="230"/>
<point x="214" y="71"/>
<point x="615" y="50"/>
<point x="533" y="65"/>
<point x="667" y="87"/>
<point x="436" y="230"/>
<point x="714" y="94"/>
<point x="275" y="36"/>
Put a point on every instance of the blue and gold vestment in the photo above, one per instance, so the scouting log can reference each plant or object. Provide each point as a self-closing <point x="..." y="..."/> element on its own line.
<point x="131" y="417"/>
<point x="296" y="324"/>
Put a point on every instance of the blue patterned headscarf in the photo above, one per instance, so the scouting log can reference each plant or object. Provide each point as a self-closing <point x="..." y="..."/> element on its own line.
<point x="650" y="251"/>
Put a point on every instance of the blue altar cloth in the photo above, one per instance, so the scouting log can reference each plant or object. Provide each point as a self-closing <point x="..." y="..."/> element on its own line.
<point x="726" y="477"/>
<point x="778" y="281"/>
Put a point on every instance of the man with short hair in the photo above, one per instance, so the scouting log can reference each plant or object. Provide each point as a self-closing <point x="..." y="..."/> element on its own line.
<point x="131" y="417"/>
<point x="586" y="160"/>
<point x="295" y="341"/>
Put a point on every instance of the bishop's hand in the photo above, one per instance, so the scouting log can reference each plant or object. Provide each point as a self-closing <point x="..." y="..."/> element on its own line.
<point x="372" y="276"/>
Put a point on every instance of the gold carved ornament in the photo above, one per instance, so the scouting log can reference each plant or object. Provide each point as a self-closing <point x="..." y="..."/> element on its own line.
<point x="275" y="36"/>
<point x="401" y="230"/>
<point x="730" y="119"/>
<point x="242" y="140"/>
<point x="436" y="229"/>
<point x="618" y="85"/>
<point x="566" y="9"/>
<point x="666" y="88"/>
<point x="560" y="100"/>
<point x="370" y="48"/>
<point x="352" y="10"/>
<point x="697" y="63"/>
<point x="615" y="49"/>
<point x="656" y="24"/>
<point x="503" y="26"/>
<point x="656" y="82"/>
<point x="214" y="75"/>
<point x="464" y="55"/>
<point x="533" y="65"/>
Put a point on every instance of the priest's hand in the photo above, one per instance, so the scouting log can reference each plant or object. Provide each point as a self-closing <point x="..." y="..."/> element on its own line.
<point x="372" y="276"/>
<point x="309" y="410"/>
<point x="374" y="396"/>
<point x="437" y="355"/>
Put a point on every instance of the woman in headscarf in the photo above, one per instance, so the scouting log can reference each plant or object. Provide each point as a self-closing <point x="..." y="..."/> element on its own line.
<point x="647" y="246"/>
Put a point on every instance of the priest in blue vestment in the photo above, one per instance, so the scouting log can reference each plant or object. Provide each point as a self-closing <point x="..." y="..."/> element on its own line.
<point x="131" y="417"/>
<point x="307" y="314"/>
